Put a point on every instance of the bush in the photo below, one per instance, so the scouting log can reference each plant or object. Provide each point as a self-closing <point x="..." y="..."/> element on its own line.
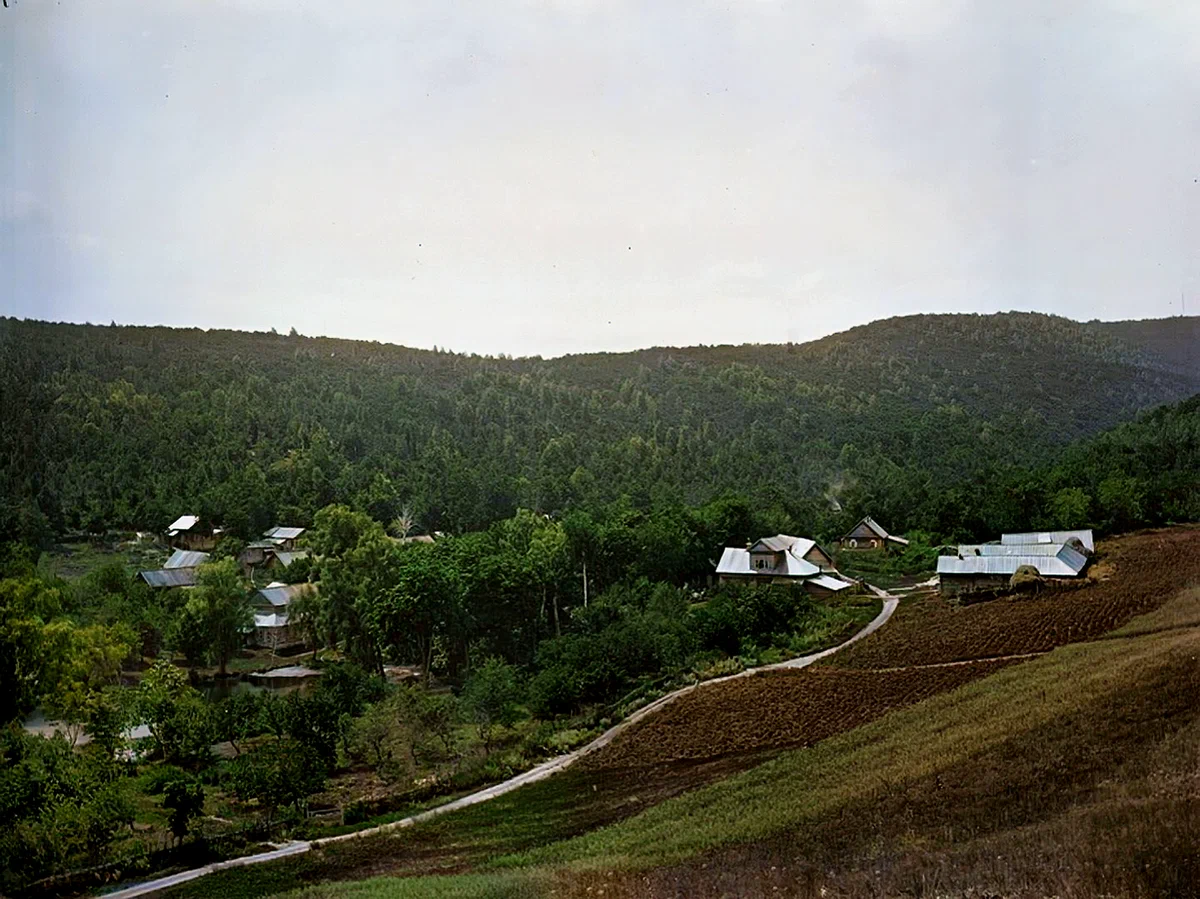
<point x="277" y="774"/>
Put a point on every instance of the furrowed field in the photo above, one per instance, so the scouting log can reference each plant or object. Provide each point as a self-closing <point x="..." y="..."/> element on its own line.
<point x="1071" y="774"/>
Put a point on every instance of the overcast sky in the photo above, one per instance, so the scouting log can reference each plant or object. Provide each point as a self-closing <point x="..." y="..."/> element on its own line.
<point x="546" y="177"/>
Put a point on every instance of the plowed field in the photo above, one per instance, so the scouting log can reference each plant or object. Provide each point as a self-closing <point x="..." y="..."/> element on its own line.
<point x="915" y="655"/>
<point x="776" y="710"/>
<point x="1131" y="575"/>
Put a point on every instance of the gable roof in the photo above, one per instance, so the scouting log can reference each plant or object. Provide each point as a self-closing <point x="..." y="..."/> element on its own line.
<point x="737" y="561"/>
<point x="183" y="558"/>
<point x="1002" y="549"/>
<point x="876" y="528"/>
<point x="287" y="558"/>
<point x="1065" y="562"/>
<point x="279" y="533"/>
<point x="829" y="582"/>
<point x="170" y="577"/>
<point x="1050" y="537"/>
<point x="184" y="523"/>
<point x="281" y="595"/>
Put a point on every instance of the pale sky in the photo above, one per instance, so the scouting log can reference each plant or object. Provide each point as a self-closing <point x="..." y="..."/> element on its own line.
<point x="532" y="177"/>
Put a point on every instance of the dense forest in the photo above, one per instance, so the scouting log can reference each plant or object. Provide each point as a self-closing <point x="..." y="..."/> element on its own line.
<point x="582" y="500"/>
<point x="909" y="419"/>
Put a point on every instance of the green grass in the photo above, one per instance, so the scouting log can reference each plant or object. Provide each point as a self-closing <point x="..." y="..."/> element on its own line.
<point x="74" y="560"/>
<point x="800" y="789"/>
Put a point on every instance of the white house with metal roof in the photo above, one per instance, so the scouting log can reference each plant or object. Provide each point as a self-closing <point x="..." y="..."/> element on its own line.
<point x="781" y="559"/>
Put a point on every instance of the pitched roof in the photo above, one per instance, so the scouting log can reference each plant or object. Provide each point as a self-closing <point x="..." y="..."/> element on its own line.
<point x="1000" y="549"/>
<point x="879" y="530"/>
<point x="183" y="558"/>
<point x="829" y="582"/>
<point x="1083" y="536"/>
<point x="279" y="533"/>
<point x="184" y="523"/>
<point x="281" y="595"/>
<point x="737" y="561"/>
<point x="286" y="558"/>
<point x="170" y="577"/>
<point x="1065" y="562"/>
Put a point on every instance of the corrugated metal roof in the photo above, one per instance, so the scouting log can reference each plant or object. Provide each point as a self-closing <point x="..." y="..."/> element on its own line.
<point x="1050" y="537"/>
<point x="184" y="558"/>
<point x="830" y="583"/>
<point x="1067" y="562"/>
<point x="286" y="559"/>
<point x="737" y="561"/>
<point x="777" y="544"/>
<point x="879" y="530"/>
<point x="282" y="595"/>
<point x="184" y="523"/>
<point x="999" y="549"/>
<point x="283" y="533"/>
<point x="170" y="577"/>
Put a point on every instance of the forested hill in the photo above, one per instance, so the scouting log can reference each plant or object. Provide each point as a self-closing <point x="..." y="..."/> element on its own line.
<point x="129" y="426"/>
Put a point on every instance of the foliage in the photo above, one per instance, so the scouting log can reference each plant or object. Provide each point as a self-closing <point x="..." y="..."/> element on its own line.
<point x="184" y="798"/>
<point x="491" y="697"/>
<point x="180" y="721"/>
<point x="278" y="773"/>
<point x="877" y="419"/>
<point x="213" y="622"/>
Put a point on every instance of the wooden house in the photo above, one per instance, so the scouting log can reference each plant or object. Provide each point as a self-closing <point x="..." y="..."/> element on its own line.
<point x="870" y="534"/>
<point x="191" y="533"/>
<point x="283" y="538"/>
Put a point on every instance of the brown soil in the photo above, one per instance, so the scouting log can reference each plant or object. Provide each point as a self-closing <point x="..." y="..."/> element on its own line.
<point x="1140" y="572"/>
<point x="775" y="710"/>
<point x="1102" y="801"/>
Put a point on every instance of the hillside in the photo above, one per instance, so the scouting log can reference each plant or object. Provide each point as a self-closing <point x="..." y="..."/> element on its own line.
<point x="125" y="427"/>
<point x="1069" y="771"/>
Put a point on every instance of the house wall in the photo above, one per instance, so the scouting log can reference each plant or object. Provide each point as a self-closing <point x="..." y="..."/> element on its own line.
<point x="862" y="537"/>
<point x="193" y="541"/>
<point x="956" y="584"/>
<point x="818" y="557"/>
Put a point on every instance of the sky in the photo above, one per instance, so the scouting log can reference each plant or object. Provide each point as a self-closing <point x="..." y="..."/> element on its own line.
<point x="550" y="177"/>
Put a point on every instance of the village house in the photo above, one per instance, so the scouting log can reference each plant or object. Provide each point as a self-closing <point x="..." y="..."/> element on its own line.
<point x="283" y="538"/>
<point x="166" y="578"/>
<point x="270" y="605"/>
<point x="870" y="534"/>
<point x="782" y="559"/>
<point x="189" y="532"/>
<point x="991" y="566"/>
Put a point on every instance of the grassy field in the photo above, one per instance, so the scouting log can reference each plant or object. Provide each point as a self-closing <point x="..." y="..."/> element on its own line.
<point x="1071" y="774"/>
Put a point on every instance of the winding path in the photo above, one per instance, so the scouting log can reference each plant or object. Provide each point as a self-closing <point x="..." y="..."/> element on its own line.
<point x="540" y="772"/>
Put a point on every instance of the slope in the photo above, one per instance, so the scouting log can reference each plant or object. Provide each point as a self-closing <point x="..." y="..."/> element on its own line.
<point x="1073" y="739"/>
<point x="123" y="427"/>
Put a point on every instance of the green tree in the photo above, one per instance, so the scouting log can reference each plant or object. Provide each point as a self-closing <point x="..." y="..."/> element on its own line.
<point x="218" y="609"/>
<point x="1069" y="507"/>
<point x="491" y="697"/>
